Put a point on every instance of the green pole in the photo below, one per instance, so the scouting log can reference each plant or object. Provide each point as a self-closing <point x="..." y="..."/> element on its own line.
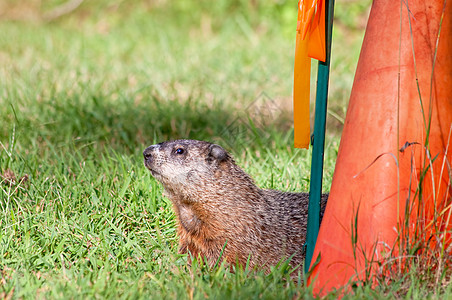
<point x="318" y="142"/>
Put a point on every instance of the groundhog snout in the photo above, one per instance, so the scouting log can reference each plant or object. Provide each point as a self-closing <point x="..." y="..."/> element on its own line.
<point x="148" y="154"/>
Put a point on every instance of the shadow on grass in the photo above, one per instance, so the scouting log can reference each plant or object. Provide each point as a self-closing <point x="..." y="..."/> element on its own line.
<point x="126" y="125"/>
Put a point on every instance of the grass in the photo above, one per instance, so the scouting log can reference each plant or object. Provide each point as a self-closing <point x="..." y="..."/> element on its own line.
<point x="81" y="97"/>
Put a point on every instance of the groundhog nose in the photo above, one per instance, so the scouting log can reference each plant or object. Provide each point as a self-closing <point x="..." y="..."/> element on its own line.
<point x="147" y="153"/>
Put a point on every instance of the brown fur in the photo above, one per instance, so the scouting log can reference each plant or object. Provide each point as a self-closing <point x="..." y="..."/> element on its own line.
<point x="218" y="204"/>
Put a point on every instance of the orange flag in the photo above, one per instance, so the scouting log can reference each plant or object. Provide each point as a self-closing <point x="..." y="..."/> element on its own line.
<point x="310" y="43"/>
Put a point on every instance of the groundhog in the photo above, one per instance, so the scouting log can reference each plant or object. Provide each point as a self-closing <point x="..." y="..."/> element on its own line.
<point x="221" y="213"/>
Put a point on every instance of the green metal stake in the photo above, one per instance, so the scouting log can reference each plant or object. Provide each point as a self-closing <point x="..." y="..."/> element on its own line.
<point x="315" y="191"/>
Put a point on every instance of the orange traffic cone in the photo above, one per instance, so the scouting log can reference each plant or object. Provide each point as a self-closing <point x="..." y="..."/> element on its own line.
<point x="398" y="124"/>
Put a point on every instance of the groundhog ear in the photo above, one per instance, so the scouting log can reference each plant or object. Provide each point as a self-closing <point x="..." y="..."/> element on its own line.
<point x="217" y="153"/>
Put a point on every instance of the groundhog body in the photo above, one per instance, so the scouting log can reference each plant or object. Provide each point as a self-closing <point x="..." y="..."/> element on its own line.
<point x="221" y="213"/>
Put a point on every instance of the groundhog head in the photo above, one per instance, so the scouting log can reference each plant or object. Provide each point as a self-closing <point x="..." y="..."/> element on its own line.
<point x="183" y="164"/>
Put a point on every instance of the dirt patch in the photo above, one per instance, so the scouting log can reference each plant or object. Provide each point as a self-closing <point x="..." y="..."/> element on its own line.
<point x="8" y="177"/>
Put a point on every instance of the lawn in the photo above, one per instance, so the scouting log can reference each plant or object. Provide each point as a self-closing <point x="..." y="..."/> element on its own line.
<point x="82" y="95"/>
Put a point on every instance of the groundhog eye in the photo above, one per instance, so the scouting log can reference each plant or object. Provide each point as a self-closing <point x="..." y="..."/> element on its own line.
<point x="179" y="151"/>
